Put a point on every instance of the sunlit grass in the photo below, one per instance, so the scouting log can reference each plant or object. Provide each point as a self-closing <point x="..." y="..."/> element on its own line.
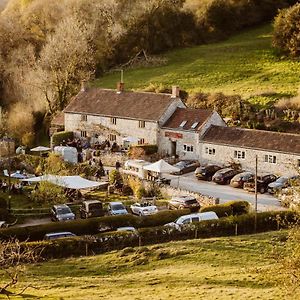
<point x="218" y="268"/>
<point x="244" y="64"/>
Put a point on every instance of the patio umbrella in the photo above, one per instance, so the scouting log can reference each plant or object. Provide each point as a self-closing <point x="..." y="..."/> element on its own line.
<point x="40" y="149"/>
<point x="161" y="166"/>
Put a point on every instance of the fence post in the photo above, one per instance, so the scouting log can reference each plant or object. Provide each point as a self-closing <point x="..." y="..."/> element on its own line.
<point x="196" y="233"/>
<point x="86" y="249"/>
<point x="140" y="241"/>
<point x="236" y="229"/>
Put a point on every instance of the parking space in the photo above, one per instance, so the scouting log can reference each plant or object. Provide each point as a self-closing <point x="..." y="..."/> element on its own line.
<point x="225" y="193"/>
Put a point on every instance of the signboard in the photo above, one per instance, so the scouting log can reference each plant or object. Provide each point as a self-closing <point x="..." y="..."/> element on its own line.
<point x="175" y="135"/>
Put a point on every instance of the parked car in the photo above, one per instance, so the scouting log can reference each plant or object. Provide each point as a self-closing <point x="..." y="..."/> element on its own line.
<point x="143" y="209"/>
<point x="280" y="183"/>
<point x="239" y="179"/>
<point x="91" y="208"/>
<point x="206" y="172"/>
<point x="192" y="218"/>
<point x="186" y="166"/>
<point x="224" y="176"/>
<point x="128" y="229"/>
<point x="61" y="212"/>
<point x="58" y="235"/>
<point x="182" y="202"/>
<point x="262" y="183"/>
<point x="117" y="208"/>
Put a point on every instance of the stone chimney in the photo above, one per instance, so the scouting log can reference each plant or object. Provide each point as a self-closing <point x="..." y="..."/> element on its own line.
<point x="83" y="86"/>
<point x="120" y="87"/>
<point x="175" y="91"/>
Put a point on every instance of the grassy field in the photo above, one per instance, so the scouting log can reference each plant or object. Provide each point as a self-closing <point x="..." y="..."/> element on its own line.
<point x="244" y="64"/>
<point x="218" y="268"/>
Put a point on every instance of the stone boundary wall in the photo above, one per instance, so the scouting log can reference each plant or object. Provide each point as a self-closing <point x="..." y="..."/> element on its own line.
<point x="202" y="199"/>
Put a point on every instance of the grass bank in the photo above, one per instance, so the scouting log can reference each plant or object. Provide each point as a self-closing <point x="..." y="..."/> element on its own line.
<point x="217" y="268"/>
<point x="244" y="64"/>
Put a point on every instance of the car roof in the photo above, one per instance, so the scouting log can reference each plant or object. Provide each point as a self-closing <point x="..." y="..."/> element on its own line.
<point x="116" y="203"/>
<point x="60" y="205"/>
<point x="91" y="201"/>
<point x="126" y="228"/>
<point x="203" y="214"/>
<point x="59" y="233"/>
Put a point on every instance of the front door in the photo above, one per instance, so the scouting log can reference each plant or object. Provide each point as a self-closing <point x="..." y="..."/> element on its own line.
<point x="173" y="148"/>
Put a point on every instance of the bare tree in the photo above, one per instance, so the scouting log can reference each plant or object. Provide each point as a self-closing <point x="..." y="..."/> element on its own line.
<point x="13" y="259"/>
<point x="66" y="59"/>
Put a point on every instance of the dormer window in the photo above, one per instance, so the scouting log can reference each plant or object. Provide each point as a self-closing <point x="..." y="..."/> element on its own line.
<point x="182" y="124"/>
<point x="194" y="125"/>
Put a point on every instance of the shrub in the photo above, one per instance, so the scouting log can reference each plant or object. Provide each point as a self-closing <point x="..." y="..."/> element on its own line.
<point x="59" y="137"/>
<point x="220" y="209"/>
<point x="119" y="240"/>
<point x="115" y="177"/>
<point x="229" y="208"/>
<point x="141" y="150"/>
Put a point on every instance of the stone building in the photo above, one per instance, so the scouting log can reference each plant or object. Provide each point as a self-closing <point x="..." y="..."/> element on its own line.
<point x="182" y="132"/>
<point x="163" y="119"/>
<point x="119" y="115"/>
<point x="277" y="152"/>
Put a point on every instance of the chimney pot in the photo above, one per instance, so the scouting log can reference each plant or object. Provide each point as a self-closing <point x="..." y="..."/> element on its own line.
<point x="83" y="86"/>
<point x="120" y="87"/>
<point x="175" y="91"/>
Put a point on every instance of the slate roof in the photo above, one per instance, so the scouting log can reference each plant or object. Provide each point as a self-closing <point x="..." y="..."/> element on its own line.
<point x="132" y="105"/>
<point x="191" y="116"/>
<point x="250" y="138"/>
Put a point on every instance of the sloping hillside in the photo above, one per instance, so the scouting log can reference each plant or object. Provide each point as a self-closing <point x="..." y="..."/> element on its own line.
<point x="245" y="64"/>
<point x="218" y="268"/>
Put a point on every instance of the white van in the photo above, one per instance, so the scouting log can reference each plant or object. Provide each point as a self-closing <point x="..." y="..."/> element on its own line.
<point x="135" y="167"/>
<point x="193" y="218"/>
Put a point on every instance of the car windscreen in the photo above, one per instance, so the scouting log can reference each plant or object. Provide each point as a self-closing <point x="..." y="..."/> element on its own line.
<point x="191" y="201"/>
<point x="95" y="206"/>
<point x="282" y="180"/>
<point x="63" y="211"/>
<point x="117" y="207"/>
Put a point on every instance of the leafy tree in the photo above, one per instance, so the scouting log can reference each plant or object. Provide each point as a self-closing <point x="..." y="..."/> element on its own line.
<point x="286" y="36"/>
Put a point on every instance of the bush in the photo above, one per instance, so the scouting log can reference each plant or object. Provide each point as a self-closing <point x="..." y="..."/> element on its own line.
<point x="142" y="150"/>
<point x="220" y="209"/>
<point x="109" y="241"/>
<point x="115" y="177"/>
<point x="59" y="137"/>
<point x="229" y="208"/>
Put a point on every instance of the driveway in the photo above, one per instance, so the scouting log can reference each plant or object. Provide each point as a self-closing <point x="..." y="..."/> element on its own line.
<point x="225" y="193"/>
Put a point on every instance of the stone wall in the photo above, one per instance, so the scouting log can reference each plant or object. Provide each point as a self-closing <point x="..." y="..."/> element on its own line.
<point x="168" y="192"/>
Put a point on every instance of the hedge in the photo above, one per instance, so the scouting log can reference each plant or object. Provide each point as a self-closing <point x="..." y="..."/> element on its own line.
<point x="59" y="137"/>
<point x="148" y="149"/>
<point x="91" y="226"/>
<point x="109" y="241"/>
<point x="228" y="209"/>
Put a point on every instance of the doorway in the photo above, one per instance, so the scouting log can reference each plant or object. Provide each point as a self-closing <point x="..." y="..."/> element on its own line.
<point x="173" y="148"/>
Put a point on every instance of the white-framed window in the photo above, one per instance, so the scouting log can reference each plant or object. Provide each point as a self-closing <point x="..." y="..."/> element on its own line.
<point x="112" y="137"/>
<point x="83" y="134"/>
<point x="188" y="148"/>
<point x="113" y="121"/>
<point x="141" y="141"/>
<point x="210" y="151"/>
<point x="142" y="124"/>
<point x="272" y="159"/>
<point x="239" y="154"/>
<point x="84" y="118"/>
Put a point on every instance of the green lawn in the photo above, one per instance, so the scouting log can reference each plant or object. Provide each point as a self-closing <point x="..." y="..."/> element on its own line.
<point x="218" y="268"/>
<point x="244" y="64"/>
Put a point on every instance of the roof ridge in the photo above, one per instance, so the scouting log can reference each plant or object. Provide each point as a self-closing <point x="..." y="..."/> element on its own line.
<point x="258" y="130"/>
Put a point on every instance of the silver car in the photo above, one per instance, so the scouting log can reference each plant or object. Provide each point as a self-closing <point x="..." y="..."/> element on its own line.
<point x="61" y="212"/>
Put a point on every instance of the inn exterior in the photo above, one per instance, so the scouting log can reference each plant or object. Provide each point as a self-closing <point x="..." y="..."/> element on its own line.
<point x="127" y="117"/>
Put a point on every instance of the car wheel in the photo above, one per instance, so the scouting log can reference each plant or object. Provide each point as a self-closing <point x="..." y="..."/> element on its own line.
<point x="262" y="190"/>
<point x="227" y="181"/>
<point x="209" y="178"/>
